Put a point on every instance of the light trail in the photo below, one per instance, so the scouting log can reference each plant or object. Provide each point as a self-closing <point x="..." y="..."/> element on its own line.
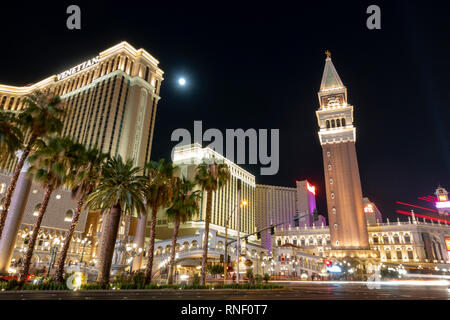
<point x="411" y="205"/>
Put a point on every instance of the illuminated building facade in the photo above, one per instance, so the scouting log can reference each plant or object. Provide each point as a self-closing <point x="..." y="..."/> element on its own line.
<point x="224" y="200"/>
<point x="414" y="244"/>
<point x="110" y="101"/>
<point x="276" y="204"/>
<point x="442" y="203"/>
<point x="343" y="186"/>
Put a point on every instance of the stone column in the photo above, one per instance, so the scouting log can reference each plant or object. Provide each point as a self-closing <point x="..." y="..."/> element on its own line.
<point x="139" y="240"/>
<point x="14" y="218"/>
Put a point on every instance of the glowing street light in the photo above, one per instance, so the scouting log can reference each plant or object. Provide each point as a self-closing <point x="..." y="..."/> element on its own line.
<point x="182" y="81"/>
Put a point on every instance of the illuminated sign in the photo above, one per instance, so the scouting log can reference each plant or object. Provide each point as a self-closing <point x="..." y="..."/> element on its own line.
<point x="447" y="243"/>
<point x="334" y="269"/>
<point x="368" y="208"/>
<point x="311" y="188"/>
<point x="78" y="68"/>
<point x="443" y="204"/>
<point x="442" y="197"/>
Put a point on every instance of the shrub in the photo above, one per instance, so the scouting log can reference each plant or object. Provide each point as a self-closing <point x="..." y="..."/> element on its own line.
<point x="258" y="278"/>
<point x="214" y="269"/>
<point x="196" y="280"/>
<point x="266" y="277"/>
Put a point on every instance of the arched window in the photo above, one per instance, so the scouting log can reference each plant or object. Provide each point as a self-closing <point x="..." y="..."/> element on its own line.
<point x="396" y="239"/>
<point x="69" y="215"/>
<point x="333" y="124"/>
<point x="343" y="122"/>
<point x="328" y="124"/>
<point x="338" y="123"/>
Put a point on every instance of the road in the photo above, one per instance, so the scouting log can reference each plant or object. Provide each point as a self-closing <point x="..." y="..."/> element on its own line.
<point x="293" y="291"/>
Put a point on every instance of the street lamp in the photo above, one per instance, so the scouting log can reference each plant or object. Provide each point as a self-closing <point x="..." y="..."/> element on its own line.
<point x="85" y="241"/>
<point x="53" y="252"/>
<point x="243" y="203"/>
<point x="133" y="251"/>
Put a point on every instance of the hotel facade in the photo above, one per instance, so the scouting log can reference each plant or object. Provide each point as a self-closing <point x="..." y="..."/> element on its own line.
<point x="110" y="102"/>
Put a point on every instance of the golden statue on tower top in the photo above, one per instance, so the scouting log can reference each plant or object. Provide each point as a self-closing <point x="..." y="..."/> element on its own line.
<point x="328" y="53"/>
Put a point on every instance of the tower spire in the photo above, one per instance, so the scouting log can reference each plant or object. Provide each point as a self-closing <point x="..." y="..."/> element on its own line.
<point x="330" y="77"/>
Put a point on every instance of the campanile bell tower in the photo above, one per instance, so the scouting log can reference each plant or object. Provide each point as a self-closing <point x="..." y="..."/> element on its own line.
<point x="337" y="136"/>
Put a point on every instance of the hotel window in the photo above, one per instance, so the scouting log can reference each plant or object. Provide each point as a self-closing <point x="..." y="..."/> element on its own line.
<point x="385" y="239"/>
<point x="3" y="102"/>
<point x="333" y="124"/>
<point x="332" y="195"/>
<point x="328" y="124"/>
<point x="331" y="181"/>
<point x="302" y="242"/>
<point x="399" y="254"/>
<point x="333" y="210"/>
<point x="338" y="123"/>
<point x="337" y="242"/>
<point x="329" y="167"/>
<point x="396" y="239"/>
<point x="11" y="102"/>
<point x="375" y="240"/>
<point x="294" y="242"/>
<point x="388" y="255"/>
<point x="279" y="243"/>
<point x="335" y="225"/>
<point x="343" y="122"/>
<point x="410" y="255"/>
<point x="328" y="154"/>
<point x="147" y="70"/>
<point x="407" y="238"/>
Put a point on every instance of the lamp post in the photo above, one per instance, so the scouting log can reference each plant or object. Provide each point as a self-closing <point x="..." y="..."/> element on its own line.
<point x="133" y="250"/>
<point x="243" y="203"/>
<point x="53" y="252"/>
<point x="85" y="241"/>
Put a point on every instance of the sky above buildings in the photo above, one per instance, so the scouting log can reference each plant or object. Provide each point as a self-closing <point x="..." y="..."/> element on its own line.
<point x="258" y="65"/>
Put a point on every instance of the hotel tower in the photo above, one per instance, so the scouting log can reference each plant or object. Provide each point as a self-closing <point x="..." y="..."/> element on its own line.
<point x="337" y="136"/>
<point x="110" y="101"/>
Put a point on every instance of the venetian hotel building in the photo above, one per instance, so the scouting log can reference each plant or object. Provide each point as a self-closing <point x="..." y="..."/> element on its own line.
<point x="110" y="101"/>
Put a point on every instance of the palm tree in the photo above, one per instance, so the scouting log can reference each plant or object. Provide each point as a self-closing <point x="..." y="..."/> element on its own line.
<point x="185" y="206"/>
<point x="120" y="191"/>
<point x="40" y="118"/>
<point x="50" y="165"/>
<point x="210" y="176"/>
<point x="86" y="176"/>
<point x="158" y="194"/>
<point x="11" y="136"/>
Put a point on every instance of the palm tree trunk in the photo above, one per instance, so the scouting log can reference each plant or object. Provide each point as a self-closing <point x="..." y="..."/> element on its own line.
<point x="12" y="186"/>
<point x="37" y="225"/>
<point x="151" y="246"/>
<point x="65" y="249"/>
<point x="206" y="237"/>
<point x="107" y="252"/>
<point x="172" y="253"/>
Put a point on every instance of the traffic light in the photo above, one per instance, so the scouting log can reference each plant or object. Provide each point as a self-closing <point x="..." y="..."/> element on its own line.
<point x="272" y="230"/>
<point x="258" y="235"/>
<point x="296" y="221"/>
<point x="229" y="259"/>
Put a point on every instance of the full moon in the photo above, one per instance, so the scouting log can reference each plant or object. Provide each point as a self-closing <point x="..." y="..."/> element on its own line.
<point x="181" y="81"/>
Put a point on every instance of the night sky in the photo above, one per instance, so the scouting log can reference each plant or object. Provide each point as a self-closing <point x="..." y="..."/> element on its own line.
<point x="260" y="65"/>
